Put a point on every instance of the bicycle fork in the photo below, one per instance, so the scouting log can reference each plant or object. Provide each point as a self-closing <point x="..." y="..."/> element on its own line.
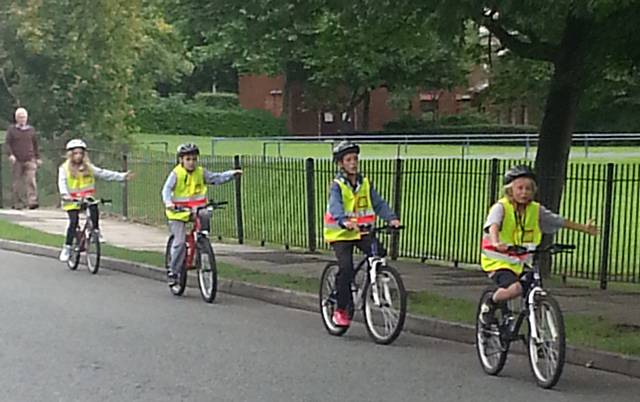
<point x="373" y="277"/>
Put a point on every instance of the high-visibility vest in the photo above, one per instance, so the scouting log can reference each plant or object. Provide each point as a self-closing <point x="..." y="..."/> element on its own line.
<point x="358" y="208"/>
<point x="190" y="192"/>
<point x="81" y="186"/>
<point x="515" y="231"/>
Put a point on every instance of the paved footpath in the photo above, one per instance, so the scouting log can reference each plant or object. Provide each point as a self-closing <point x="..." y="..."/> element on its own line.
<point x="621" y="307"/>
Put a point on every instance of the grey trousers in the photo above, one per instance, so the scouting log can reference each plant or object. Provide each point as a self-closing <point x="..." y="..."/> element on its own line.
<point x="179" y="231"/>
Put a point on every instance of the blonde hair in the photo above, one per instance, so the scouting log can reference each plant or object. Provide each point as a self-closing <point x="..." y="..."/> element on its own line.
<point x="83" y="169"/>
<point x="508" y="189"/>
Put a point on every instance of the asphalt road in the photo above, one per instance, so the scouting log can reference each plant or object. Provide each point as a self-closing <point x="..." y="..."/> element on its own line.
<point x="72" y="336"/>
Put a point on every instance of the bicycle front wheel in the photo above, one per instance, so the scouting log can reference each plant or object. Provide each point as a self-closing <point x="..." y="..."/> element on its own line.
<point x="207" y="271"/>
<point x="547" y="350"/>
<point x="492" y="352"/>
<point x="93" y="251"/>
<point x="328" y="297"/>
<point x="181" y="283"/>
<point x="74" y="256"/>
<point x="385" y="305"/>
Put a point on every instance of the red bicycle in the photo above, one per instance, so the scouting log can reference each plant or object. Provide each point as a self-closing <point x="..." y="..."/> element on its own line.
<point x="199" y="256"/>
<point x="87" y="238"/>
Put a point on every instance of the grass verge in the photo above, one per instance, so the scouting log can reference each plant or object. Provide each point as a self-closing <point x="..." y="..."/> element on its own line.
<point x="582" y="330"/>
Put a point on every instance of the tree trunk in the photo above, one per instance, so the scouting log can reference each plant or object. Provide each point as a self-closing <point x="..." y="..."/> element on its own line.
<point x="365" y="111"/>
<point x="559" y="119"/>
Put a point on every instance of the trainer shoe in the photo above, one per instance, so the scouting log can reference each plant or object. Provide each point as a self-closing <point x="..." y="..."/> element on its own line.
<point x="341" y="318"/>
<point x="172" y="278"/>
<point x="65" y="253"/>
<point x="487" y="312"/>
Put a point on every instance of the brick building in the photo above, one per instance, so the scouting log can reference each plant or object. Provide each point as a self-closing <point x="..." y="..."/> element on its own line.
<point x="267" y="93"/>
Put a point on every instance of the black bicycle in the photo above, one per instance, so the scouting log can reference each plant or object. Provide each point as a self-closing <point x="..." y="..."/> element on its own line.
<point x="545" y="339"/>
<point x="199" y="256"/>
<point x="86" y="239"/>
<point x="377" y="289"/>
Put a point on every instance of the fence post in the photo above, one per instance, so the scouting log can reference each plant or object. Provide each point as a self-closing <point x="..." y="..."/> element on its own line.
<point x="311" y="204"/>
<point x="397" y="201"/>
<point x="238" y="183"/>
<point x="1" y="183"/>
<point x="493" y="182"/>
<point x="125" y="187"/>
<point x="606" y="230"/>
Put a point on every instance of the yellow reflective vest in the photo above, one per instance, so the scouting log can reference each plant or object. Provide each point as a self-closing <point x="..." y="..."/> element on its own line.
<point x="515" y="231"/>
<point x="358" y="208"/>
<point x="190" y="192"/>
<point x="82" y="186"/>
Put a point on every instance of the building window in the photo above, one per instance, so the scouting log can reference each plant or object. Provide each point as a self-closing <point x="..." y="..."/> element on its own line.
<point x="327" y="117"/>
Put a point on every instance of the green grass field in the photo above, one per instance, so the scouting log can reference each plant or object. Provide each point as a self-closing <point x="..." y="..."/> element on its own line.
<point x="158" y="142"/>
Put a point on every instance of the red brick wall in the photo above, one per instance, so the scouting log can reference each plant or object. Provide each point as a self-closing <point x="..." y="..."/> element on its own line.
<point x="261" y="92"/>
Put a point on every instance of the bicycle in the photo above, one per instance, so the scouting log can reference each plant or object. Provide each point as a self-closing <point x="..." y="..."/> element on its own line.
<point x="377" y="289"/>
<point x="199" y="256"/>
<point x="87" y="239"/>
<point x="545" y="339"/>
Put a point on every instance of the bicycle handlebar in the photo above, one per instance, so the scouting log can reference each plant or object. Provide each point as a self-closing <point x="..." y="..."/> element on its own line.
<point x="387" y="229"/>
<point x="552" y="249"/>
<point x="91" y="200"/>
<point x="211" y="204"/>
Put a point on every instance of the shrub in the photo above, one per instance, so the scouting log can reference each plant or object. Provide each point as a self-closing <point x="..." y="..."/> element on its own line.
<point x="173" y="116"/>
<point x="219" y="100"/>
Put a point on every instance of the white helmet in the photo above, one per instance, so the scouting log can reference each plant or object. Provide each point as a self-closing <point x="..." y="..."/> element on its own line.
<point x="76" y="144"/>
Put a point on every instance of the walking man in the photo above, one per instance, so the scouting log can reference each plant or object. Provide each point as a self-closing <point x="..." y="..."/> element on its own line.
<point x="21" y="146"/>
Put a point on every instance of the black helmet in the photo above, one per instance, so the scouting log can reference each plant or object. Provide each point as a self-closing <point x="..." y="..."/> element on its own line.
<point x="343" y="148"/>
<point x="518" y="171"/>
<point x="188" y="149"/>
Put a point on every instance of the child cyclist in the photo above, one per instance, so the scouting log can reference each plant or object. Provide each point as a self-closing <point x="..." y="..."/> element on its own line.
<point x="186" y="186"/>
<point x="352" y="209"/>
<point x="76" y="180"/>
<point x="517" y="220"/>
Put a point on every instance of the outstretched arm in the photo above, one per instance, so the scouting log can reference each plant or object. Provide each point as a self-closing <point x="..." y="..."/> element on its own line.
<point x="109" y="175"/>
<point x="589" y="228"/>
<point x="220" y="178"/>
<point x="381" y="208"/>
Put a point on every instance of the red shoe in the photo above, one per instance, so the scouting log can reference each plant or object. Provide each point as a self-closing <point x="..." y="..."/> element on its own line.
<point x="341" y="318"/>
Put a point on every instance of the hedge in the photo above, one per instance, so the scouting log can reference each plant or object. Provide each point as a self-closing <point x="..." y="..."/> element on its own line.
<point x="175" y="116"/>
<point x="218" y="100"/>
<point x="409" y="125"/>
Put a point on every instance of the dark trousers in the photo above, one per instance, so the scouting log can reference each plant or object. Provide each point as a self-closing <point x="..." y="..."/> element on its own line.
<point x="74" y="219"/>
<point x="344" y="254"/>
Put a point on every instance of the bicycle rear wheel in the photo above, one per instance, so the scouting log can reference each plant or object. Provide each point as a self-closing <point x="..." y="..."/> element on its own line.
<point x="492" y="352"/>
<point x="74" y="255"/>
<point x="93" y="251"/>
<point x="207" y="271"/>
<point x="181" y="282"/>
<point x="328" y="299"/>
<point x="547" y="352"/>
<point x="385" y="317"/>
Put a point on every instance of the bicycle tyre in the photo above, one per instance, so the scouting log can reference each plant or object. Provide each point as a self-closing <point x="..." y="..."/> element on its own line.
<point x="328" y="301"/>
<point x="207" y="275"/>
<point x="385" y="273"/>
<point x="180" y="286"/>
<point x="74" y="255"/>
<point x="494" y="366"/>
<point x="93" y="252"/>
<point x="552" y="310"/>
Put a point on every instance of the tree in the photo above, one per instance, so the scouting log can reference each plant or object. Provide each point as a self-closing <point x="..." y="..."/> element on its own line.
<point x="578" y="39"/>
<point x="340" y="51"/>
<point x="78" y="65"/>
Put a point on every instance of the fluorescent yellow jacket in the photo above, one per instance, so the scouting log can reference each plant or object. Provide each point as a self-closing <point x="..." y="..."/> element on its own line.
<point x="190" y="191"/>
<point x="358" y="208"/>
<point x="515" y="231"/>
<point x="82" y="186"/>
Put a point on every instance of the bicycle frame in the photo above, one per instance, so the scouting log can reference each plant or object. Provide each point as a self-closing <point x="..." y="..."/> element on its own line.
<point x="192" y="240"/>
<point x="530" y="289"/>
<point x="371" y="263"/>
